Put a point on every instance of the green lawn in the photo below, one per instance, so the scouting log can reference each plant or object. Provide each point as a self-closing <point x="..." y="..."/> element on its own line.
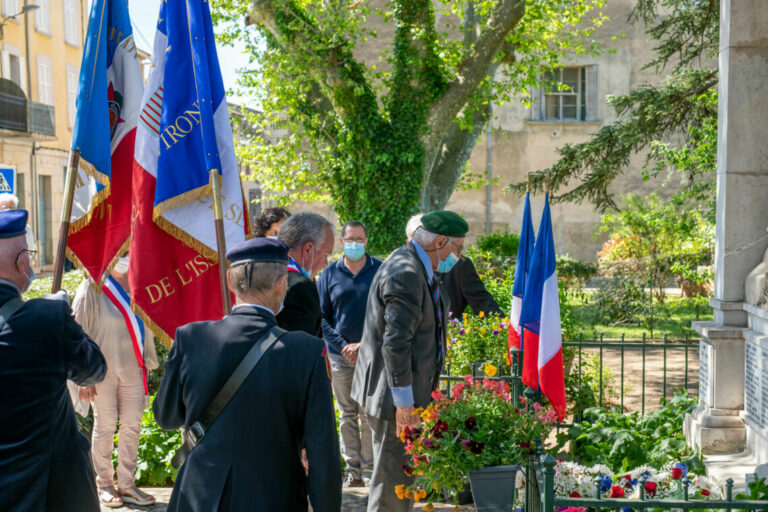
<point x="674" y="318"/>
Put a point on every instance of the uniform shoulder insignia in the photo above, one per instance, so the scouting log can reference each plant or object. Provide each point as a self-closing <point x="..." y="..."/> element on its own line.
<point x="324" y="353"/>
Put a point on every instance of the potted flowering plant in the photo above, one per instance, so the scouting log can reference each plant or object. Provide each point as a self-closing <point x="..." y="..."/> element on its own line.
<point x="478" y="433"/>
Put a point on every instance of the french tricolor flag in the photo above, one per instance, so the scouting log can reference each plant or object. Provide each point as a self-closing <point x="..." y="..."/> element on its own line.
<point x="540" y="319"/>
<point x="524" y="256"/>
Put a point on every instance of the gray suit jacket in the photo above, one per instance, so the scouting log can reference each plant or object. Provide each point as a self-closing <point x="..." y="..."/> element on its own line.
<point x="400" y="344"/>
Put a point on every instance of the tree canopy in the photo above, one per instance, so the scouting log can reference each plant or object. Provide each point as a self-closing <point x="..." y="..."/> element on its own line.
<point x="383" y="139"/>
<point x="676" y="121"/>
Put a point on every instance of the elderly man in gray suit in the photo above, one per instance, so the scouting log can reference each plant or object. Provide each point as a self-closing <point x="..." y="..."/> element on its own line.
<point x="402" y="350"/>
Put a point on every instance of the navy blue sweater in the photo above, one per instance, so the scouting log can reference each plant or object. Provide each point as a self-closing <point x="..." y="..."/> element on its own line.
<point x="343" y="298"/>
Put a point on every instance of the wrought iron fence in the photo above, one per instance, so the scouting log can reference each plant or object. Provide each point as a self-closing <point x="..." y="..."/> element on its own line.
<point x="651" y="354"/>
<point x="540" y="495"/>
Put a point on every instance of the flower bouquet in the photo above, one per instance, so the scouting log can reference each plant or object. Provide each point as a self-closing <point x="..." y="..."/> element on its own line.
<point x="477" y="426"/>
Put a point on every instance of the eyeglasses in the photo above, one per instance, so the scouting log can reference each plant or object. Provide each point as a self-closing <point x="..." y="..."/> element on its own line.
<point x="356" y="240"/>
<point x="30" y="252"/>
<point x="459" y="247"/>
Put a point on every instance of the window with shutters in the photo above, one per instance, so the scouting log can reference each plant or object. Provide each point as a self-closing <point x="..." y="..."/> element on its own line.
<point x="72" y="79"/>
<point x="43" y="16"/>
<point x="10" y="7"/>
<point x="44" y="80"/>
<point x="14" y="69"/>
<point x="71" y="33"/>
<point x="567" y="94"/>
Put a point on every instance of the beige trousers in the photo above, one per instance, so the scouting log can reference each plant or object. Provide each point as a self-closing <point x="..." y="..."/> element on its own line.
<point x="120" y="396"/>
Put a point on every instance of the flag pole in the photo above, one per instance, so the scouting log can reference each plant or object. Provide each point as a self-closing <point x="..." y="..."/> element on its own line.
<point x="66" y="214"/>
<point x="221" y="242"/>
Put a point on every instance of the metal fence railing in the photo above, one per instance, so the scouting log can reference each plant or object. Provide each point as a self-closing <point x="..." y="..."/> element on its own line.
<point x="540" y="495"/>
<point x="656" y="367"/>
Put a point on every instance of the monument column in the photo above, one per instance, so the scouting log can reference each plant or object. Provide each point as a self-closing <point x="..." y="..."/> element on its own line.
<point x="742" y="217"/>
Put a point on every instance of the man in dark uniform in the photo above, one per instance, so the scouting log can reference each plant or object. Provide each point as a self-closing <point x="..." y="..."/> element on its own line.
<point x="250" y="457"/>
<point x="402" y="349"/>
<point x="44" y="460"/>
<point x="462" y="286"/>
<point x="309" y="237"/>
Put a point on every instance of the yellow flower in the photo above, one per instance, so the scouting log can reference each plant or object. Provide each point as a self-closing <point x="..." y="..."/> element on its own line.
<point x="400" y="491"/>
<point x="417" y="411"/>
<point x="402" y="435"/>
<point x="407" y="494"/>
<point x="468" y="329"/>
<point x="416" y="497"/>
<point x="482" y="329"/>
<point x="506" y="320"/>
<point x="490" y="370"/>
<point x="465" y="322"/>
<point x="466" y="315"/>
<point x="428" y="507"/>
<point x="434" y="487"/>
<point x="422" y="493"/>
<point x="481" y="314"/>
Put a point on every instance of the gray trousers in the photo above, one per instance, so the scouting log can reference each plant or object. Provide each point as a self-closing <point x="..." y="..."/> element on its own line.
<point x="356" y="442"/>
<point x="389" y="455"/>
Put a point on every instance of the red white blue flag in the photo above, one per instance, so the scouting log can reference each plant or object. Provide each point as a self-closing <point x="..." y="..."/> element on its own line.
<point x="522" y="265"/>
<point x="122" y="301"/>
<point x="108" y="100"/>
<point x="540" y="319"/>
<point x="183" y="131"/>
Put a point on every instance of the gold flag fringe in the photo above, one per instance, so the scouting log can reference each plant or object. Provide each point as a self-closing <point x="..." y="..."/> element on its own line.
<point x="156" y="329"/>
<point x="100" y="196"/>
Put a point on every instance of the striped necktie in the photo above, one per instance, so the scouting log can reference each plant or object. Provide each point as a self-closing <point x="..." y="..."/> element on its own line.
<point x="435" y="288"/>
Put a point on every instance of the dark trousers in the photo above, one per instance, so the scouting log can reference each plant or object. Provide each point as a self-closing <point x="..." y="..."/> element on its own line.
<point x="388" y="458"/>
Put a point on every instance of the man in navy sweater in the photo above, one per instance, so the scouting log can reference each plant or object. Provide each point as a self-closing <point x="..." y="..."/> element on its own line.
<point x="343" y="288"/>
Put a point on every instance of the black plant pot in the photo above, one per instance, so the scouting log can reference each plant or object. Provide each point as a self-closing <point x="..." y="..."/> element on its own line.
<point x="493" y="488"/>
<point x="462" y="498"/>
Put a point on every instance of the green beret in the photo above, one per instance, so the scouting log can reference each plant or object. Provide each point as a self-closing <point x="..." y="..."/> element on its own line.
<point x="444" y="222"/>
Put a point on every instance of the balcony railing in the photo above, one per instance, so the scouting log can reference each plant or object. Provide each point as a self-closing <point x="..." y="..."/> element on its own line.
<point x="18" y="114"/>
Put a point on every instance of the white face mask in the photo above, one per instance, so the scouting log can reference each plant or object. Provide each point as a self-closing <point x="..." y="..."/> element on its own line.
<point x="273" y="237"/>
<point x="304" y="270"/>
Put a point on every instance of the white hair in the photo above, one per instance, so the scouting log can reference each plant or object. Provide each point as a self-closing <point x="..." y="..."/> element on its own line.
<point x="8" y="199"/>
<point x="412" y="225"/>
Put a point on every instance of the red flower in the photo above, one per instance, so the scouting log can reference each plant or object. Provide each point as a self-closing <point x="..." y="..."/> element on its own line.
<point x="677" y="473"/>
<point x="650" y="488"/>
<point x="473" y="446"/>
<point x="617" y="492"/>
<point x="704" y="492"/>
<point x="440" y="427"/>
<point x="437" y="395"/>
<point x="574" y="494"/>
<point x="430" y="444"/>
<point x="408" y="470"/>
<point x="471" y="423"/>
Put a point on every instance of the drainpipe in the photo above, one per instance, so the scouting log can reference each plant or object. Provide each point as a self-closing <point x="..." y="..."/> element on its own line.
<point x="488" y="173"/>
<point x="32" y="163"/>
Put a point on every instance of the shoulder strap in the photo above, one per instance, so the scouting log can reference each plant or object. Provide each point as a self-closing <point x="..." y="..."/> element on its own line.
<point x="10" y="307"/>
<point x="198" y="429"/>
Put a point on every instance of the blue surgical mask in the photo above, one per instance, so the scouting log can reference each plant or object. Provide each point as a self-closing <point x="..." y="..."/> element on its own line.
<point x="445" y="266"/>
<point x="354" y="250"/>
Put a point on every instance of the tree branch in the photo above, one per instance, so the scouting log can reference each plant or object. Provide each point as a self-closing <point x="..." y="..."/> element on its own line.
<point x="330" y="61"/>
<point x="452" y="156"/>
<point x="474" y="66"/>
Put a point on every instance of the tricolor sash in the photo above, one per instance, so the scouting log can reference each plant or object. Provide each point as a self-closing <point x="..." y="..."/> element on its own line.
<point x="117" y="295"/>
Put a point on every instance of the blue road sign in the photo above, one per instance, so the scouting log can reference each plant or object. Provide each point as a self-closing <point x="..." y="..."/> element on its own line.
<point x="7" y="180"/>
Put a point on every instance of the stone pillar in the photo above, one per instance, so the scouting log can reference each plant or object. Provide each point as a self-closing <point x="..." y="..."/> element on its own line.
<point x="742" y="153"/>
<point x="742" y="217"/>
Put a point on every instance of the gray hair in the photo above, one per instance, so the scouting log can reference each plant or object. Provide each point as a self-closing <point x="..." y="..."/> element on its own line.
<point x="255" y="277"/>
<point x="9" y="198"/>
<point x="424" y="237"/>
<point x="412" y="225"/>
<point x="303" y="227"/>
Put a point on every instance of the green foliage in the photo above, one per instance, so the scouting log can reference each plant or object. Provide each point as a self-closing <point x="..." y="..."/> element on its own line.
<point x="650" y="237"/>
<point x="573" y="273"/>
<point x="156" y="449"/>
<point x="42" y="285"/>
<point x="627" y="440"/>
<point x="758" y="490"/>
<point x="619" y="301"/>
<point x="500" y="243"/>
<point x="382" y="140"/>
